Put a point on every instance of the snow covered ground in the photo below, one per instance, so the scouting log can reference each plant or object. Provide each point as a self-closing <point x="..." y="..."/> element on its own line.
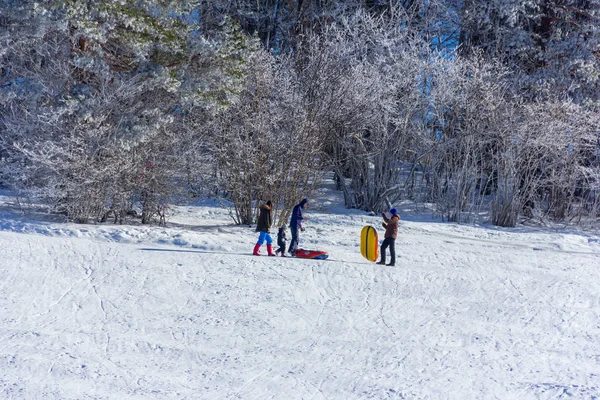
<point x="186" y="312"/>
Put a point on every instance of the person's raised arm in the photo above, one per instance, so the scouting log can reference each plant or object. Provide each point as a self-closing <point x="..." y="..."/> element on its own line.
<point x="385" y="218"/>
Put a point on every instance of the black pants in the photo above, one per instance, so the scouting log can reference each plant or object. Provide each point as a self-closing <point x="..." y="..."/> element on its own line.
<point x="388" y="242"/>
<point x="295" y="239"/>
<point x="281" y="244"/>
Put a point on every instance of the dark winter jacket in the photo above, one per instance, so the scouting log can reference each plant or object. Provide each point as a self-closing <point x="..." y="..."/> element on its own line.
<point x="390" y="225"/>
<point x="281" y="237"/>
<point x="265" y="220"/>
<point x="296" y="220"/>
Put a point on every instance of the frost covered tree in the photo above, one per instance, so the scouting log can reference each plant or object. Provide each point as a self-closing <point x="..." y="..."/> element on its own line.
<point x="107" y="106"/>
<point x="552" y="50"/>
<point x="263" y="142"/>
<point x="280" y="24"/>
<point x="91" y="93"/>
<point x="362" y="80"/>
<point x="548" y="166"/>
<point x="491" y="150"/>
<point x="553" y="45"/>
<point x="467" y="114"/>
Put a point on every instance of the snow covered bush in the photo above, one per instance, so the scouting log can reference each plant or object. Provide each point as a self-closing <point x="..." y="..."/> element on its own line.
<point x="106" y="106"/>
<point x="466" y="118"/>
<point x="264" y="144"/>
<point x="552" y="46"/>
<point x="90" y="103"/>
<point x="548" y="164"/>
<point x="362" y="81"/>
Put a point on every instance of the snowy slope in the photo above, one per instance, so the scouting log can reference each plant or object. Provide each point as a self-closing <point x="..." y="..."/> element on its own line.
<point x="185" y="312"/>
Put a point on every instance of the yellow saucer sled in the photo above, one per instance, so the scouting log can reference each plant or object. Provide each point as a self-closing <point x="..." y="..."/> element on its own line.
<point x="369" y="243"/>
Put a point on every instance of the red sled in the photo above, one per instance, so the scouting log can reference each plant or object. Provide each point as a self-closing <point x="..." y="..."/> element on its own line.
<point x="314" y="254"/>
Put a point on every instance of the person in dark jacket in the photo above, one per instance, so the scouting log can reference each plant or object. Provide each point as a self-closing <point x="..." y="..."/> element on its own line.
<point x="296" y="224"/>
<point x="281" y="240"/>
<point x="391" y="231"/>
<point x="265" y="220"/>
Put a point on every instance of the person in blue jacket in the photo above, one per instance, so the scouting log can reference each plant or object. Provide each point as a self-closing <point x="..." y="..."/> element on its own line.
<point x="296" y="224"/>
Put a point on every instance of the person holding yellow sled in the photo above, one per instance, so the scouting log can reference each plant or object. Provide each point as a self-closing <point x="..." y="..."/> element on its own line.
<point x="391" y="231"/>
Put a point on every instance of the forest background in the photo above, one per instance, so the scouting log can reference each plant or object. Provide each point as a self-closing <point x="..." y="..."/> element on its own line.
<point x="114" y="110"/>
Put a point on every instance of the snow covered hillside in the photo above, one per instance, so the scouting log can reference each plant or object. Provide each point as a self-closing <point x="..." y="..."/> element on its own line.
<point x="186" y="312"/>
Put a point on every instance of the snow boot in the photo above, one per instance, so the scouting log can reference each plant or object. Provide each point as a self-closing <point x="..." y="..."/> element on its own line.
<point x="270" y="250"/>
<point x="256" y="248"/>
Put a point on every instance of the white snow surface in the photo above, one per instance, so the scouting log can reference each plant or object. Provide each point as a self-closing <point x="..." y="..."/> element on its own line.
<point x="186" y="312"/>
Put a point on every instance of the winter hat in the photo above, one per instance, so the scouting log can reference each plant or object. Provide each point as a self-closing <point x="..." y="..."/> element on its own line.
<point x="283" y="226"/>
<point x="303" y="202"/>
<point x="393" y="211"/>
